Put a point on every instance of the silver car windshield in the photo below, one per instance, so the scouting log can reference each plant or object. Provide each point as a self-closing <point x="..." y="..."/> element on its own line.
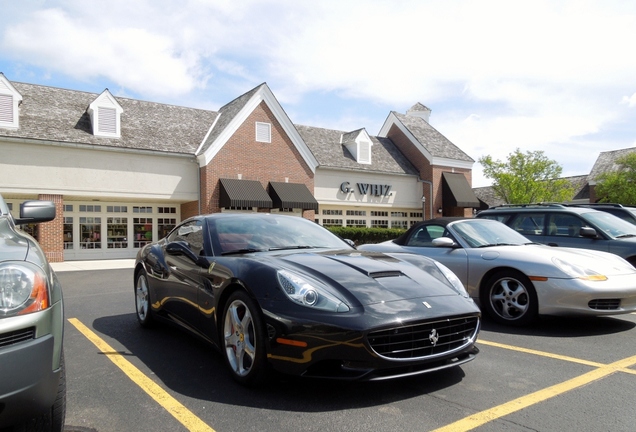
<point x="611" y="225"/>
<point x="485" y="232"/>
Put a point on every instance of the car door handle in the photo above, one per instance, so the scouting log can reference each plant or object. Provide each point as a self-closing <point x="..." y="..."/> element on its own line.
<point x="553" y="244"/>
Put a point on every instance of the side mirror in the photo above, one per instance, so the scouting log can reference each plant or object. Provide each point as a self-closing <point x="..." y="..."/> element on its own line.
<point x="444" y="242"/>
<point x="587" y="232"/>
<point x="350" y="242"/>
<point x="36" y="212"/>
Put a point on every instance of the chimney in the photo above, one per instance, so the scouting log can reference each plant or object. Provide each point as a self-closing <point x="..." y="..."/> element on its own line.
<point x="419" y="110"/>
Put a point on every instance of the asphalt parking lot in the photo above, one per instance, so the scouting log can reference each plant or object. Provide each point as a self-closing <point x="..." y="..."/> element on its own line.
<point x="560" y="374"/>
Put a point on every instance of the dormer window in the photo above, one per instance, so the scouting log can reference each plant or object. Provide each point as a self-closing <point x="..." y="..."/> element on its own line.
<point x="263" y="132"/>
<point x="105" y="113"/>
<point x="9" y="101"/>
<point x="359" y="145"/>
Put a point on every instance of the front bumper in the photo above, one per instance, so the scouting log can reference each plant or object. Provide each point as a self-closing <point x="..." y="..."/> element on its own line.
<point x="616" y="295"/>
<point x="374" y="346"/>
<point x="30" y="352"/>
<point x="28" y="385"/>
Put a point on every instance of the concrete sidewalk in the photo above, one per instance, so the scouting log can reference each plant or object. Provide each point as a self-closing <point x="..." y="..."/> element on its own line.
<point x="93" y="265"/>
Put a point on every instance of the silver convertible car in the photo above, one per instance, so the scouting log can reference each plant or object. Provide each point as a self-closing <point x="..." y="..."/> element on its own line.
<point x="513" y="279"/>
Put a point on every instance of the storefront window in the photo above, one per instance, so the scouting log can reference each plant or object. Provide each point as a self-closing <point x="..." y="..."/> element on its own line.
<point x="68" y="232"/>
<point x="356" y="222"/>
<point x="379" y="223"/>
<point x="164" y="226"/>
<point x="356" y="212"/>
<point x="332" y="212"/>
<point x="331" y="222"/>
<point x="91" y="228"/>
<point x="117" y="232"/>
<point x="400" y="224"/>
<point x="143" y="231"/>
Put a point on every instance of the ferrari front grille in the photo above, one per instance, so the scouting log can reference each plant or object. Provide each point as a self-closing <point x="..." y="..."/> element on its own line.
<point x="424" y="339"/>
<point x="604" y="304"/>
<point x="14" y="337"/>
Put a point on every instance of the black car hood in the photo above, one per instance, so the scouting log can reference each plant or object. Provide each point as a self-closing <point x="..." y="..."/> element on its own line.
<point x="13" y="247"/>
<point x="372" y="277"/>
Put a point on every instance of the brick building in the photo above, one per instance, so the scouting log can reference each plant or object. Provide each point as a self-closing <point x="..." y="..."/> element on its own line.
<point x="123" y="172"/>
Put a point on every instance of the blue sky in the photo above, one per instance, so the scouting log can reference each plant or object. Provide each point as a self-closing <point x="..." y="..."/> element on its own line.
<point x="555" y="76"/>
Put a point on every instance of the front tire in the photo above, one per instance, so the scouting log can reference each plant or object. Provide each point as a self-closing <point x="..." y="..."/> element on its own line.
<point x="243" y="339"/>
<point x="142" y="300"/>
<point x="510" y="298"/>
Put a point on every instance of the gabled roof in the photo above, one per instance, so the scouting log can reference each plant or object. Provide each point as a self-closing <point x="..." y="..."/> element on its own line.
<point x="438" y="149"/>
<point x="58" y="115"/>
<point x="330" y="153"/>
<point x="232" y="116"/>
<point x="606" y="162"/>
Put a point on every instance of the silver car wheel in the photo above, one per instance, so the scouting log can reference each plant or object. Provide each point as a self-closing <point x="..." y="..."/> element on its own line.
<point x="239" y="334"/>
<point x="142" y="299"/>
<point x="510" y="298"/>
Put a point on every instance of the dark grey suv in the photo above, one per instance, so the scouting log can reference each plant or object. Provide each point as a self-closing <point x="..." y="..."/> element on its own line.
<point x="32" y="376"/>
<point x="627" y="213"/>
<point x="569" y="226"/>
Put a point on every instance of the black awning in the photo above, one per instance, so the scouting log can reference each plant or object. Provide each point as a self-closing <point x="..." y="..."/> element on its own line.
<point x="292" y="195"/>
<point x="243" y="193"/>
<point x="456" y="192"/>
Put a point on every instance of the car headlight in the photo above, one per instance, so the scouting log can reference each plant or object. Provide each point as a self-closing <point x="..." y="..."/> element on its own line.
<point x="452" y="279"/>
<point x="577" y="271"/>
<point x="23" y="289"/>
<point x="310" y="293"/>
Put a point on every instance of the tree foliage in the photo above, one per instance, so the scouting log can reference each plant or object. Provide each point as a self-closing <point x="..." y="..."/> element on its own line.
<point x="528" y="177"/>
<point x="619" y="186"/>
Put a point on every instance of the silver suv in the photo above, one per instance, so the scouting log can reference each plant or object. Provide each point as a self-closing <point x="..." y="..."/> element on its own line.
<point x="32" y="376"/>
<point x="569" y="226"/>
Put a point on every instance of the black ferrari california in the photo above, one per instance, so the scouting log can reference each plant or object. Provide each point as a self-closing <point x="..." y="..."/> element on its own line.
<point x="281" y="292"/>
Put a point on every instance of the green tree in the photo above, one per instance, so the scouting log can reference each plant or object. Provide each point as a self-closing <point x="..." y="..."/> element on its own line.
<point x="619" y="186"/>
<point x="528" y="177"/>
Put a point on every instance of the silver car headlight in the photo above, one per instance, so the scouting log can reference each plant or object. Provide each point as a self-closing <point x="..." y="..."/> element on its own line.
<point x="23" y="289"/>
<point x="452" y="279"/>
<point x="577" y="271"/>
<point x="308" y="292"/>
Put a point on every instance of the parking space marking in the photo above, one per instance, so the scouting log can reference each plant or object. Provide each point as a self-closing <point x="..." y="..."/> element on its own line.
<point x="170" y="404"/>
<point x="602" y="370"/>
<point x="541" y="353"/>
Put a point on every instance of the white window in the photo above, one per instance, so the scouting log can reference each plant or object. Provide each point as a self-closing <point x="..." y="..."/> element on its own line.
<point x="263" y="132"/>
<point x="9" y="101"/>
<point x="364" y="155"/>
<point x="105" y="113"/>
<point x="6" y="108"/>
<point x="107" y="123"/>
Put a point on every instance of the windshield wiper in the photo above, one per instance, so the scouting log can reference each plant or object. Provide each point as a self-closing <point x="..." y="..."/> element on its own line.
<point x="626" y="235"/>
<point x="498" y="244"/>
<point x="292" y="247"/>
<point x="242" y="251"/>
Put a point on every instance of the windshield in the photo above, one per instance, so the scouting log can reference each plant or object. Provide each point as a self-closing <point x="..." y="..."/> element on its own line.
<point x="266" y="232"/>
<point x="487" y="232"/>
<point x="611" y="225"/>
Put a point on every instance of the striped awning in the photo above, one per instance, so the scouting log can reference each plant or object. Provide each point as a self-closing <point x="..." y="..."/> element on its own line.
<point x="243" y="193"/>
<point x="292" y="195"/>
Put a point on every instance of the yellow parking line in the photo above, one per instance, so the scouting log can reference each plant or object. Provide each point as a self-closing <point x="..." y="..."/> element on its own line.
<point x="178" y="411"/>
<point x="486" y="416"/>
<point x="541" y="353"/>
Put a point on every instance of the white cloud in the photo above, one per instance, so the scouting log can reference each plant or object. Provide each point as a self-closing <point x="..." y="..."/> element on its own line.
<point x="629" y="101"/>
<point x="541" y="75"/>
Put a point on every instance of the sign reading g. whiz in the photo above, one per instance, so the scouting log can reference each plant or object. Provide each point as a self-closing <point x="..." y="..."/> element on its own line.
<point x="367" y="189"/>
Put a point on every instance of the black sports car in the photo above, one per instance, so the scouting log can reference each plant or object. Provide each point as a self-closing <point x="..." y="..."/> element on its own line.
<point x="281" y="291"/>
